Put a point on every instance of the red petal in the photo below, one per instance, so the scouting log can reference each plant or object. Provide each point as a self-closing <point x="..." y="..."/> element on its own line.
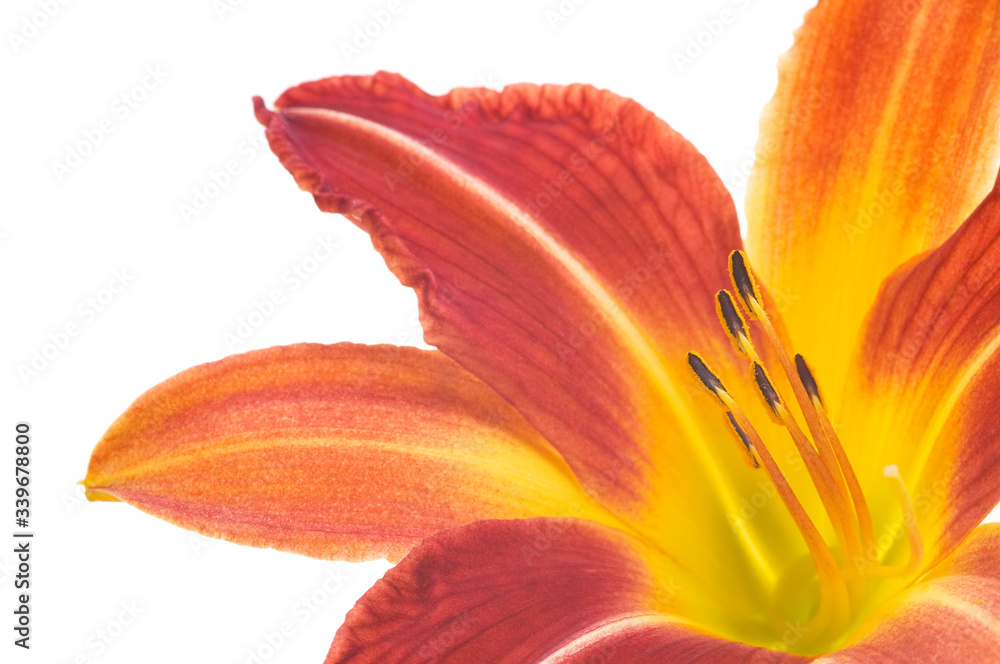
<point x="342" y="452"/>
<point x="930" y="375"/>
<point x="565" y="245"/>
<point x="517" y="592"/>
<point x="951" y="617"/>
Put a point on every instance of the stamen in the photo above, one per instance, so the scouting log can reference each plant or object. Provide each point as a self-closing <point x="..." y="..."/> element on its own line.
<point x="835" y="603"/>
<point x="743" y="281"/>
<point x="733" y="323"/>
<point x="808" y="382"/>
<point x="854" y="486"/>
<point x="838" y="511"/>
<point x="749" y="456"/>
<point x="715" y="386"/>
<point x="841" y="591"/>
<point x="834" y="610"/>
<point x="767" y="392"/>
<point x="706" y="375"/>
<point x="826" y="566"/>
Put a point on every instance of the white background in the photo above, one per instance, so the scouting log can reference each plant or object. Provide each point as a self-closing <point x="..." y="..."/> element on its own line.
<point x="62" y="239"/>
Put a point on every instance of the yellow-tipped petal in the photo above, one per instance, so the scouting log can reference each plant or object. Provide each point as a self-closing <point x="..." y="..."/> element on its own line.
<point x="340" y="452"/>
<point x="880" y="140"/>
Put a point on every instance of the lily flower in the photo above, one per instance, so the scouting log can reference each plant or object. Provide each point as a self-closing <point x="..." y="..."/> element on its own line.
<point x="636" y="439"/>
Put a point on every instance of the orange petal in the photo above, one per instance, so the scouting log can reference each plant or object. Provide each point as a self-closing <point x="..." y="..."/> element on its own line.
<point x="926" y="383"/>
<point x="552" y="591"/>
<point x="951" y="617"/>
<point x="340" y="452"/>
<point x="881" y="138"/>
<point x="566" y="247"/>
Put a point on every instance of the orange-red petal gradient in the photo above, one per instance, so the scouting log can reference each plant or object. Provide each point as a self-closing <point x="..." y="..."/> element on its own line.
<point x="881" y="139"/>
<point x="552" y="591"/>
<point x="927" y="382"/>
<point x="340" y="452"/>
<point x="558" y="238"/>
<point x="951" y="616"/>
<point x="566" y="247"/>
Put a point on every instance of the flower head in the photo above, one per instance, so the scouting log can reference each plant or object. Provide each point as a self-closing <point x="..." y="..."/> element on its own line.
<point x="636" y="440"/>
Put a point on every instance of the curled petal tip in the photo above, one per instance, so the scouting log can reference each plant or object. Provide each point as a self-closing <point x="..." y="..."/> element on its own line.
<point x="261" y="111"/>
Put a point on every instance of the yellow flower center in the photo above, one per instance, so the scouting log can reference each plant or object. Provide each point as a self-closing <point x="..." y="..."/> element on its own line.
<point x="827" y="588"/>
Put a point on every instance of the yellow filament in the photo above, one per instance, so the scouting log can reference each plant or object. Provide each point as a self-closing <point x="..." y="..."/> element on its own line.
<point x="827" y="442"/>
<point x="841" y="591"/>
<point x="823" y="446"/>
<point x="748" y="348"/>
<point x="834" y="612"/>
<point x="822" y="478"/>
<point x="857" y="494"/>
<point x="833" y="497"/>
<point x="838" y="511"/>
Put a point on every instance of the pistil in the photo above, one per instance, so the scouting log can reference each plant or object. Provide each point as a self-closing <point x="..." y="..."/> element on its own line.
<point x="916" y="541"/>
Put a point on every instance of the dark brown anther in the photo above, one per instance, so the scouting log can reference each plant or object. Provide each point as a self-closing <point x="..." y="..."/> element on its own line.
<point x="766" y="389"/>
<point x="705" y="375"/>
<point x="808" y="382"/>
<point x="744" y="438"/>
<point x="731" y="319"/>
<point x="743" y="281"/>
